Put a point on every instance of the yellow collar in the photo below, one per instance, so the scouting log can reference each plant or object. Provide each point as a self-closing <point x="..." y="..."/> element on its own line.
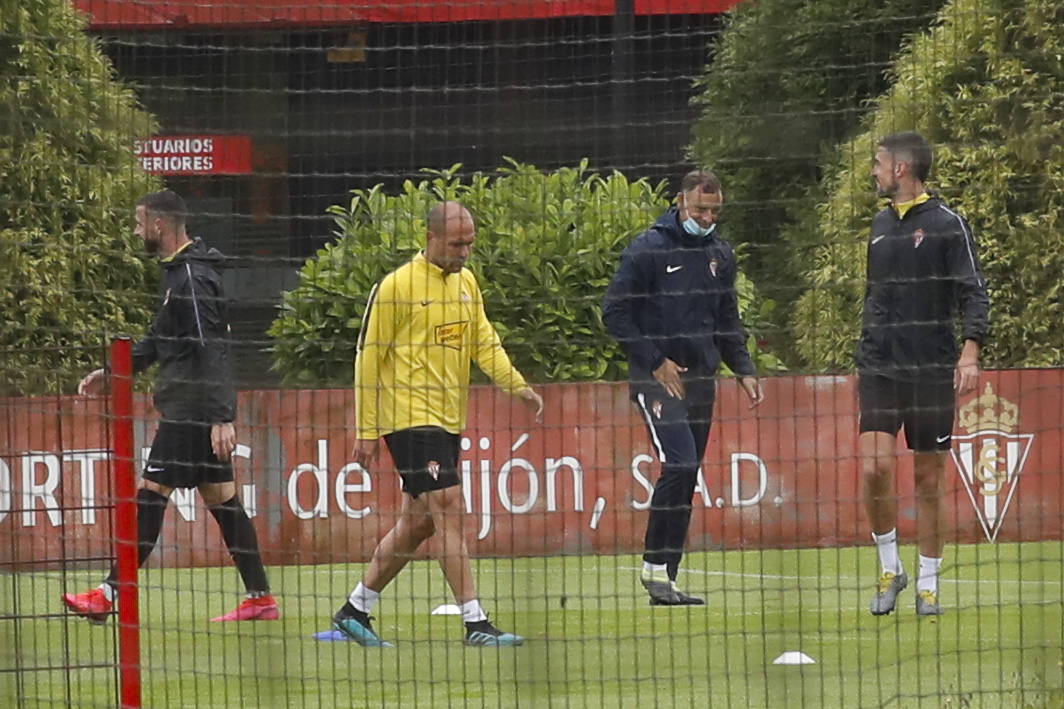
<point x="172" y="256"/>
<point x="902" y="208"/>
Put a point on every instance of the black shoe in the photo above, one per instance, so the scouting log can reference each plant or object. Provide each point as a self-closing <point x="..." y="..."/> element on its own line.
<point x="687" y="599"/>
<point x="661" y="590"/>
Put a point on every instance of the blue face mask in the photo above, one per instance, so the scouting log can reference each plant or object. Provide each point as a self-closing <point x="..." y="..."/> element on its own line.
<point x="695" y="229"/>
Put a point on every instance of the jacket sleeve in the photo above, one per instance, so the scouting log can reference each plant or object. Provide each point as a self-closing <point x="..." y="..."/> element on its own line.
<point x="210" y="331"/>
<point x="489" y="354"/>
<point x="628" y="290"/>
<point x="970" y="286"/>
<point x="375" y="339"/>
<point x="144" y="351"/>
<point x="730" y="336"/>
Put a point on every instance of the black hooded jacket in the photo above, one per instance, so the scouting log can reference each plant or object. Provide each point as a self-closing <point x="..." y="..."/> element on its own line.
<point x="674" y="296"/>
<point x="189" y="338"/>
<point x="922" y="269"/>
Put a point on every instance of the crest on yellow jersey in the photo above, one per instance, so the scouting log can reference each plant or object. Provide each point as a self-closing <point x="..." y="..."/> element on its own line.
<point x="450" y="334"/>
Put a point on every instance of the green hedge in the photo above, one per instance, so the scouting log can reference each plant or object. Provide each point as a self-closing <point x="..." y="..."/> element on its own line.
<point x="69" y="269"/>
<point x="547" y="246"/>
<point x="984" y="86"/>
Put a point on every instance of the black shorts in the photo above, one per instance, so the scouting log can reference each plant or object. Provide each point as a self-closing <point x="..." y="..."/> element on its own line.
<point x="426" y="457"/>
<point x="925" y="409"/>
<point x="181" y="456"/>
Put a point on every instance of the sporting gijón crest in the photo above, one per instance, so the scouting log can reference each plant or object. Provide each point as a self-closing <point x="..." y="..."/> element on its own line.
<point x="991" y="456"/>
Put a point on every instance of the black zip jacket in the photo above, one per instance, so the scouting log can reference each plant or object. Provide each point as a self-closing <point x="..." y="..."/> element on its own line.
<point x="189" y="338"/>
<point x="674" y="296"/>
<point x="921" y="269"/>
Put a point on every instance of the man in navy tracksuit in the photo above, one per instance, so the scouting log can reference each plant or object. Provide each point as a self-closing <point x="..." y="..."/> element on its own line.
<point x="672" y="306"/>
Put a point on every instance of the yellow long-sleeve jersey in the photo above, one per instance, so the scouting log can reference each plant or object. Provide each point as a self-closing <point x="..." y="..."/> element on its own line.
<point x="420" y="331"/>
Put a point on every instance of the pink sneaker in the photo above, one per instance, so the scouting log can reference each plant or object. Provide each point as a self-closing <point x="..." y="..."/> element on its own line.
<point x="91" y="605"/>
<point x="261" y="608"/>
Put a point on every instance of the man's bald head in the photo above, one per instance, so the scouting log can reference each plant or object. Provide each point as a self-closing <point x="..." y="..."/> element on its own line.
<point x="444" y="212"/>
<point x="451" y="232"/>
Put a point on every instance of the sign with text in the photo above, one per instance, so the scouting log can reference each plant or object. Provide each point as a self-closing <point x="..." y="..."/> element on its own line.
<point x="784" y="475"/>
<point x="195" y="154"/>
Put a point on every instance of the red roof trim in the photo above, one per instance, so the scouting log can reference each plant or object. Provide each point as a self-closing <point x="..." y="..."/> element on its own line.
<point x="203" y="14"/>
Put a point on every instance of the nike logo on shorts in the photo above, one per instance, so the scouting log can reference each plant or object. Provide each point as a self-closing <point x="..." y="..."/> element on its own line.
<point x="154" y="469"/>
<point x="942" y="439"/>
<point x="878" y="239"/>
<point x="672" y="269"/>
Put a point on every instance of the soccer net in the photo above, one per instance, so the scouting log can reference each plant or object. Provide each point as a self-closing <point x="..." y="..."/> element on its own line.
<point x="492" y="547"/>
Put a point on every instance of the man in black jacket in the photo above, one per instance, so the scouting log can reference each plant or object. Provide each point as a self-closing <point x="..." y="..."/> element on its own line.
<point x="922" y="265"/>
<point x="194" y="394"/>
<point x="672" y="306"/>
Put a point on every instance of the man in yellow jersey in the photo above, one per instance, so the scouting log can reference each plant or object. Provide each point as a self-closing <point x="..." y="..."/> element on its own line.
<point x="423" y="324"/>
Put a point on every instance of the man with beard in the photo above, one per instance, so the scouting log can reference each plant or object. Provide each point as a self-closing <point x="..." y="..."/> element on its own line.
<point x="922" y="268"/>
<point x="194" y="444"/>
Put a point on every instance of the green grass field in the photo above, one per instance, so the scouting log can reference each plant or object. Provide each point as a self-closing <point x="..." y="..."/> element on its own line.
<point x="592" y="639"/>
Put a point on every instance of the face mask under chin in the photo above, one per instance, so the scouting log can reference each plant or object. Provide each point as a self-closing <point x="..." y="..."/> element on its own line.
<point x="695" y="229"/>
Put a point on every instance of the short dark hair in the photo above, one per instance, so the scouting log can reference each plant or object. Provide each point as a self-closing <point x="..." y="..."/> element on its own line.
<point x="165" y="203"/>
<point x="705" y="180"/>
<point x="913" y="146"/>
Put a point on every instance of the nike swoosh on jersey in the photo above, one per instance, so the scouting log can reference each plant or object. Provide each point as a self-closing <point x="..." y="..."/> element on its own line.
<point x="672" y="269"/>
<point x="879" y="238"/>
<point x="426" y="302"/>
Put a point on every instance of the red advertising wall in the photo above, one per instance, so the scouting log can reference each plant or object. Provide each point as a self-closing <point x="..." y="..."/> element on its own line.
<point x="784" y="475"/>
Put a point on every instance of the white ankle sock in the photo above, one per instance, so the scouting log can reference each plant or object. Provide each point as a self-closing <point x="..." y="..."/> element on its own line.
<point x="472" y="612"/>
<point x="363" y="599"/>
<point x="928" y="577"/>
<point x="887" y="546"/>
<point x="654" y="570"/>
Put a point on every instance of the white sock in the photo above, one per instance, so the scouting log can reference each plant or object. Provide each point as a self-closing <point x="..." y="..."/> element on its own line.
<point x="654" y="570"/>
<point x="887" y="546"/>
<point x="472" y="612"/>
<point x="363" y="599"/>
<point x="108" y="591"/>
<point x="928" y="577"/>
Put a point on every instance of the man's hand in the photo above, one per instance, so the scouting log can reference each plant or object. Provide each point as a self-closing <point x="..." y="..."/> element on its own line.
<point x="533" y="402"/>
<point x="966" y="375"/>
<point x="668" y="376"/>
<point x="223" y="440"/>
<point x="92" y="383"/>
<point x="364" y="451"/>
<point x="752" y="387"/>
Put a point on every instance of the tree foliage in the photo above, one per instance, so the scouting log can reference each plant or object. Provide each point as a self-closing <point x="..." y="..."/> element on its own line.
<point x="547" y="246"/>
<point x="984" y="86"/>
<point x="68" y="179"/>
<point x="790" y="80"/>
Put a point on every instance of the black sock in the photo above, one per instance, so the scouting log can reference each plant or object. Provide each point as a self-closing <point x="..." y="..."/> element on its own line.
<point x="481" y="625"/>
<point x="349" y="611"/>
<point x="151" y="506"/>
<point x="243" y="544"/>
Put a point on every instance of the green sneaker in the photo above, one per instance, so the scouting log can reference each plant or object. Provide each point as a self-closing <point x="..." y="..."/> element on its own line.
<point x="357" y="627"/>
<point x="484" y="634"/>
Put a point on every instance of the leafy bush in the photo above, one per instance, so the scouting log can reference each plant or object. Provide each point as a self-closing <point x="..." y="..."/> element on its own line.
<point x="547" y="246"/>
<point x="69" y="273"/>
<point x="789" y="80"/>
<point x="984" y="88"/>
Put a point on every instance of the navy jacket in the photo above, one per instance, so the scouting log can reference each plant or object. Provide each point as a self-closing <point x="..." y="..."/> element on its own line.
<point x="674" y="296"/>
<point x="922" y="268"/>
<point x="189" y="338"/>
